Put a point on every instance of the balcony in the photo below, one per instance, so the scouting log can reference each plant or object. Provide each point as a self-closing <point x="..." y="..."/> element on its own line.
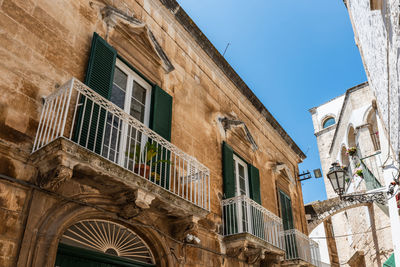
<point x="249" y="226"/>
<point x="89" y="136"/>
<point x="300" y="249"/>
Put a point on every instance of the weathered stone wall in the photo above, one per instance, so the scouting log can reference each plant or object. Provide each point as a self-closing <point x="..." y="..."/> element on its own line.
<point x="43" y="43"/>
<point x="378" y="40"/>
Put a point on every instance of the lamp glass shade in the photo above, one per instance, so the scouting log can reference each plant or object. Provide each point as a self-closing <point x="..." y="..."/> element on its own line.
<point x="337" y="176"/>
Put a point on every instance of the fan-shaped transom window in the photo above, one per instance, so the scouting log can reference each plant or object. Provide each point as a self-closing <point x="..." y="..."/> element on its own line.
<point x="109" y="238"/>
<point x="328" y="122"/>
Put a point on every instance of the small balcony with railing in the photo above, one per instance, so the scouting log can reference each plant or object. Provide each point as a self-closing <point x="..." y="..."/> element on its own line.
<point x="300" y="249"/>
<point x="248" y="226"/>
<point x="82" y="134"/>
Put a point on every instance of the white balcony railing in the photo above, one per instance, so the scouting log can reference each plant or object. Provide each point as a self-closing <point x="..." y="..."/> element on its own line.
<point x="79" y="114"/>
<point x="301" y="247"/>
<point x="243" y="215"/>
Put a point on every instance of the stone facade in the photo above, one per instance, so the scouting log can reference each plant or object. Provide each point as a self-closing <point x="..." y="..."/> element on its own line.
<point x="376" y="33"/>
<point x="43" y="44"/>
<point x="357" y="231"/>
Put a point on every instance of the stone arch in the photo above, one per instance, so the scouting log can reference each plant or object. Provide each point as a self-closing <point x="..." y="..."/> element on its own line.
<point x="63" y="214"/>
<point x="351" y="137"/>
<point x="320" y="211"/>
<point x="344" y="157"/>
<point x="371" y="121"/>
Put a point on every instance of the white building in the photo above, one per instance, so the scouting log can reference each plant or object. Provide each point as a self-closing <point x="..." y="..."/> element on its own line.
<point x="361" y="233"/>
<point x="376" y="29"/>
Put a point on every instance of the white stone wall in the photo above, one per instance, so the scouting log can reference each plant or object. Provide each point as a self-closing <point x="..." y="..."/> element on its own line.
<point x="353" y="229"/>
<point x="377" y="37"/>
<point x="318" y="235"/>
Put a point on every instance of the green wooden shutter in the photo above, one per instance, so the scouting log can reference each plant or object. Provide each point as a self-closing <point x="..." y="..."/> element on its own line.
<point x="228" y="171"/>
<point x="254" y="183"/>
<point x="161" y="112"/>
<point x="99" y="77"/>
<point x="160" y="122"/>
<point x="287" y="219"/>
<point x="286" y="210"/>
<point x="100" y="71"/>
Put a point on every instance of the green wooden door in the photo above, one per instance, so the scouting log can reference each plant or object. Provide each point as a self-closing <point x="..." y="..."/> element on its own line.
<point x="69" y="256"/>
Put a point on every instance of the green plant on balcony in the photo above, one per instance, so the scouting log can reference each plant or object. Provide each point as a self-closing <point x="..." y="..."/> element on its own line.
<point x="352" y="151"/>
<point x="147" y="158"/>
<point x="358" y="172"/>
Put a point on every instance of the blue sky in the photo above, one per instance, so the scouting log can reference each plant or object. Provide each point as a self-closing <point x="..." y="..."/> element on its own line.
<point x="293" y="54"/>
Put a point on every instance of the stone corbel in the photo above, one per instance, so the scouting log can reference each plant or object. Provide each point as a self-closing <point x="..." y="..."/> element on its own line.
<point x="185" y="226"/>
<point x="132" y="203"/>
<point x="271" y="260"/>
<point x="254" y="254"/>
<point x="52" y="179"/>
<point x="249" y="253"/>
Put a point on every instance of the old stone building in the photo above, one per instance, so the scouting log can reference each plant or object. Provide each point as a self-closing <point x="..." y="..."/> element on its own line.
<point x="349" y="131"/>
<point x="126" y="139"/>
<point x="376" y="30"/>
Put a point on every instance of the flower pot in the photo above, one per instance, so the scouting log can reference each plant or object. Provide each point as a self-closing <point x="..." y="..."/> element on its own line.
<point x="143" y="170"/>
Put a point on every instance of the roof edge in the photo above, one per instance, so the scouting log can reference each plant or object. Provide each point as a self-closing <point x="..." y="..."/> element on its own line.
<point x="183" y="18"/>
<point x="350" y="90"/>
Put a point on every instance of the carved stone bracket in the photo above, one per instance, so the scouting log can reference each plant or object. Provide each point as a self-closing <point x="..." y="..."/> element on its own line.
<point x="252" y="250"/>
<point x="251" y="254"/>
<point x="184" y="226"/>
<point x="254" y="254"/>
<point x="52" y="179"/>
<point x="132" y="202"/>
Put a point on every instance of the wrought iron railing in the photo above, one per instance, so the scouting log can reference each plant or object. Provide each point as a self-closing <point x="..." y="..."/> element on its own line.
<point x="301" y="247"/>
<point x="375" y="141"/>
<point x="243" y="215"/>
<point x="79" y="114"/>
<point x="372" y="171"/>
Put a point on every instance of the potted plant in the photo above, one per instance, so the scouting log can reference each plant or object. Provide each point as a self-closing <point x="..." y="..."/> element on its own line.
<point x="358" y="172"/>
<point x="352" y="151"/>
<point x="146" y="158"/>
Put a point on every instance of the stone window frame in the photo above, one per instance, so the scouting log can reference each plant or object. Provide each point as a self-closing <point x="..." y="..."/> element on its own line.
<point x="326" y="118"/>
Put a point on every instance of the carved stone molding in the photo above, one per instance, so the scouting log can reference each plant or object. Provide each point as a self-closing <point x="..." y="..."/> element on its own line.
<point x="252" y="250"/>
<point x="133" y="202"/>
<point x="182" y="227"/>
<point x="52" y="179"/>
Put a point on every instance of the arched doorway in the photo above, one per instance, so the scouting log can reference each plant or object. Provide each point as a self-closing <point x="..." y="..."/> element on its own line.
<point x="102" y="243"/>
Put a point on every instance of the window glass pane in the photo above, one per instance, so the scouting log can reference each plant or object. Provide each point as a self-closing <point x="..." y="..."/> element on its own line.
<point x="119" y="88"/>
<point x="241" y="171"/>
<point x="139" y="93"/>
<point x="328" y="122"/>
<point x="138" y="101"/>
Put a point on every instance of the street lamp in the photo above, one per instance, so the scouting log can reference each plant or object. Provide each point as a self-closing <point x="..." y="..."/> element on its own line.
<point x="337" y="177"/>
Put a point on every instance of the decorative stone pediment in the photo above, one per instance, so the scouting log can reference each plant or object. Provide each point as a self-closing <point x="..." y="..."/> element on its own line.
<point x="137" y="34"/>
<point x="284" y="171"/>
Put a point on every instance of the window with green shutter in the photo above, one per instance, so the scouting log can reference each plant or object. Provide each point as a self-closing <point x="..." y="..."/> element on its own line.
<point x="286" y="210"/>
<point x="239" y="177"/>
<point x="99" y="75"/>
<point x="287" y="220"/>
<point x="114" y="79"/>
